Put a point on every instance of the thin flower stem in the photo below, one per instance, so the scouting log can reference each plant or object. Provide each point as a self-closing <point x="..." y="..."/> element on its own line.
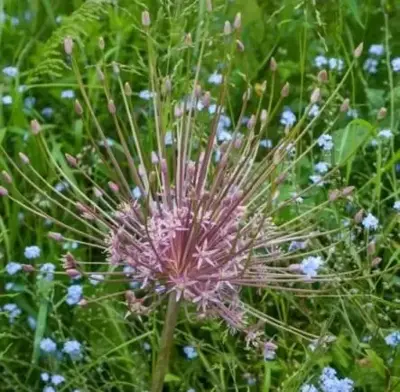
<point x="166" y="344"/>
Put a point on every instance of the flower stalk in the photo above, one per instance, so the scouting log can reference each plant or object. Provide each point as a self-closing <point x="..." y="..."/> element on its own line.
<point x="166" y="343"/>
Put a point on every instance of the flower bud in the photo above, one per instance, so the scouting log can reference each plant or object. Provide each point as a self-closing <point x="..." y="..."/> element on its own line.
<point x="263" y="117"/>
<point x="111" y="107"/>
<point x="72" y="273"/>
<point x="237" y="23"/>
<point x="239" y="46"/>
<point x="359" y="216"/>
<point x="227" y="28"/>
<point x="100" y="74"/>
<point x="315" y="95"/>
<point x="334" y="195"/>
<point x="371" y="248"/>
<point x="273" y="65"/>
<point x="127" y="89"/>
<point x="285" y="90"/>
<point x="178" y="111"/>
<point x="146" y="19"/>
<point x="167" y="85"/>
<point x="348" y="190"/>
<point x="28" y="268"/>
<point x="35" y="127"/>
<point x="3" y="191"/>
<point x="115" y="68"/>
<point x="381" y="113"/>
<point x="252" y="122"/>
<point x="344" y="107"/>
<point x="188" y="39"/>
<point x="358" y="50"/>
<point x="113" y="186"/>
<point x="82" y="303"/>
<point x="68" y="45"/>
<point x="322" y="76"/>
<point x="206" y="99"/>
<point x="101" y="43"/>
<point x="24" y="158"/>
<point x="97" y="192"/>
<point x="73" y="162"/>
<point x="154" y="158"/>
<point x="78" y="108"/>
<point x="376" y="261"/>
<point x="7" y="178"/>
<point x="55" y="236"/>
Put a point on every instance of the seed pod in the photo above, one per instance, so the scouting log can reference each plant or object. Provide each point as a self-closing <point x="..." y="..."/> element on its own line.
<point x="371" y="248"/>
<point x="206" y="99"/>
<point x="239" y="45"/>
<point x="72" y="273"/>
<point x="263" y="117"/>
<point x="188" y="39"/>
<point x="113" y="186"/>
<point x="376" y="261"/>
<point x="27" y="268"/>
<point x="348" y="190"/>
<point x="127" y="89"/>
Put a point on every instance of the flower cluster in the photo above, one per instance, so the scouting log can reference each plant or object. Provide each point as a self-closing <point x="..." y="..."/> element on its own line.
<point x="329" y="382"/>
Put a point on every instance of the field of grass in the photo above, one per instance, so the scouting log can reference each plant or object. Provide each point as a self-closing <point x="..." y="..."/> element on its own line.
<point x="306" y="93"/>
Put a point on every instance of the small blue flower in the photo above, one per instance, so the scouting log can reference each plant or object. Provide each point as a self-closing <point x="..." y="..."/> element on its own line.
<point x="146" y="95"/>
<point x="266" y="143"/>
<point x="29" y="102"/>
<point x="396" y="64"/>
<point x="68" y="94"/>
<point x="32" y="322"/>
<point x="47" y="112"/>
<point x="7" y="100"/>
<point x="14" y="21"/>
<point x="310" y="266"/>
<point x="57" y="379"/>
<point x="393" y="339"/>
<point x="32" y="252"/>
<point x="9" y="286"/>
<point x="74" y="294"/>
<point x="11" y="72"/>
<point x="370" y="222"/>
<point x="325" y="142"/>
<point x="47" y="271"/>
<point x="13" y="311"/>
<point x="308" y="388"/>
<point x="73" y="348"/>
<point x="49" y="389"/>
<point x="45" y="377"/>
<point x="376" y="50"/>
<point x="95" y="279"/>
<point x="215" y="78"/>
<point x="288" y="118"/>
<point x="320" y="61"/>
<point x="147" y="346"/>
<point x="48" y="345"/>
<point x="190" y="352"/>
<point x="12" y="268"/>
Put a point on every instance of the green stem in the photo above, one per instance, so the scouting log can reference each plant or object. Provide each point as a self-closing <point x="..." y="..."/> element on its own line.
<point x="166" y="344"/>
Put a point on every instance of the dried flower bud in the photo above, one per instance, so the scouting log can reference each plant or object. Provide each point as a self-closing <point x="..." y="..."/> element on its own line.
<point x="28" y="268"/>
<point x="146" y="19"/>
<point x="381" y="113"/>
<point x="263" y="117"/>
<point x="358" y="50"/>
<point x="322" y="76"/>
<point x="371" y="248"/>
<point x="315" y="95"/>
<point x="188" y="39"/>
<point x="111" y="107"/>
<point x="344" y="107"/>
<point x="35" y="127"/>
<point x="359" y="216"/>
<point x="252" y="122"/>
<point x="101" y="43"/>
<point x="227" y="28"/>
<point x="113" y="186"/>
<point x="71" y="160"/>
<point x="72" y="273"/>
<point x="334" y="195"/>
<point x="209" y="5"/>
<point x="69" y="261"/>
<point x="7" y="178"/>
<point x="273" y="65"/>
<point x="24" y="158"/>
<point x="206" y="99"/>
<point x="3" y="191"/>
<point x="68" y="45"/>
<point x="237" y="23"/>
<point x="78" y="108"/>
<point x="115" y="68"/>
<point x="82" y="303"/>
<point x="239" y="46"/>
<point x="376" y="261"/>
<point x="285" y="90"/>
<point x="100" y="74"/>
<point x="197" y="90"/>
<point x="348" y="190"/>
<point x="55" y="236"/>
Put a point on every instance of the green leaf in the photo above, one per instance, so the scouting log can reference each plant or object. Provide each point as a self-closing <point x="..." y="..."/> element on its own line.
<point x="172" y="378"/>
<point x="377" y="362"/>
<point x="348" y="140"/>
<point x="376" y="97"/>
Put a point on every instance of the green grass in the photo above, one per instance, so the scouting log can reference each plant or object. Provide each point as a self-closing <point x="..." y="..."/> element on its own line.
<point x="293" y="32"/>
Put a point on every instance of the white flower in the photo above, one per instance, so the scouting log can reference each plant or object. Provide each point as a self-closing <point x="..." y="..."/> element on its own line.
<point x="336" y="64"/>
<point x="13" y="311"/>
<point x="7" y="100"/>
<point x="11" y="72"/>
<point x="288" y="118"/>
<point x="322" y="167"/>
<point x="146" y="95"/>
<point x="371" y="66"/>
<point x="48" y="345"/>
<point x="12" y="268"/>
<point x="314" y="111"/>
<point x="215" y="78"/>
<point x="95" y="279"/>
<point x="320" y="61"/>
<point x="325" y="142"/>
<point x="370" y="222"/>
<point x="396" y="205"/>
<point x="310" y="266"/>
<point x="385" y="134"/>
<point x="396" y="64"/>
<point x="68" y="94"/>
<point x="376" y="49"/>
<point x="32" y="252"/>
